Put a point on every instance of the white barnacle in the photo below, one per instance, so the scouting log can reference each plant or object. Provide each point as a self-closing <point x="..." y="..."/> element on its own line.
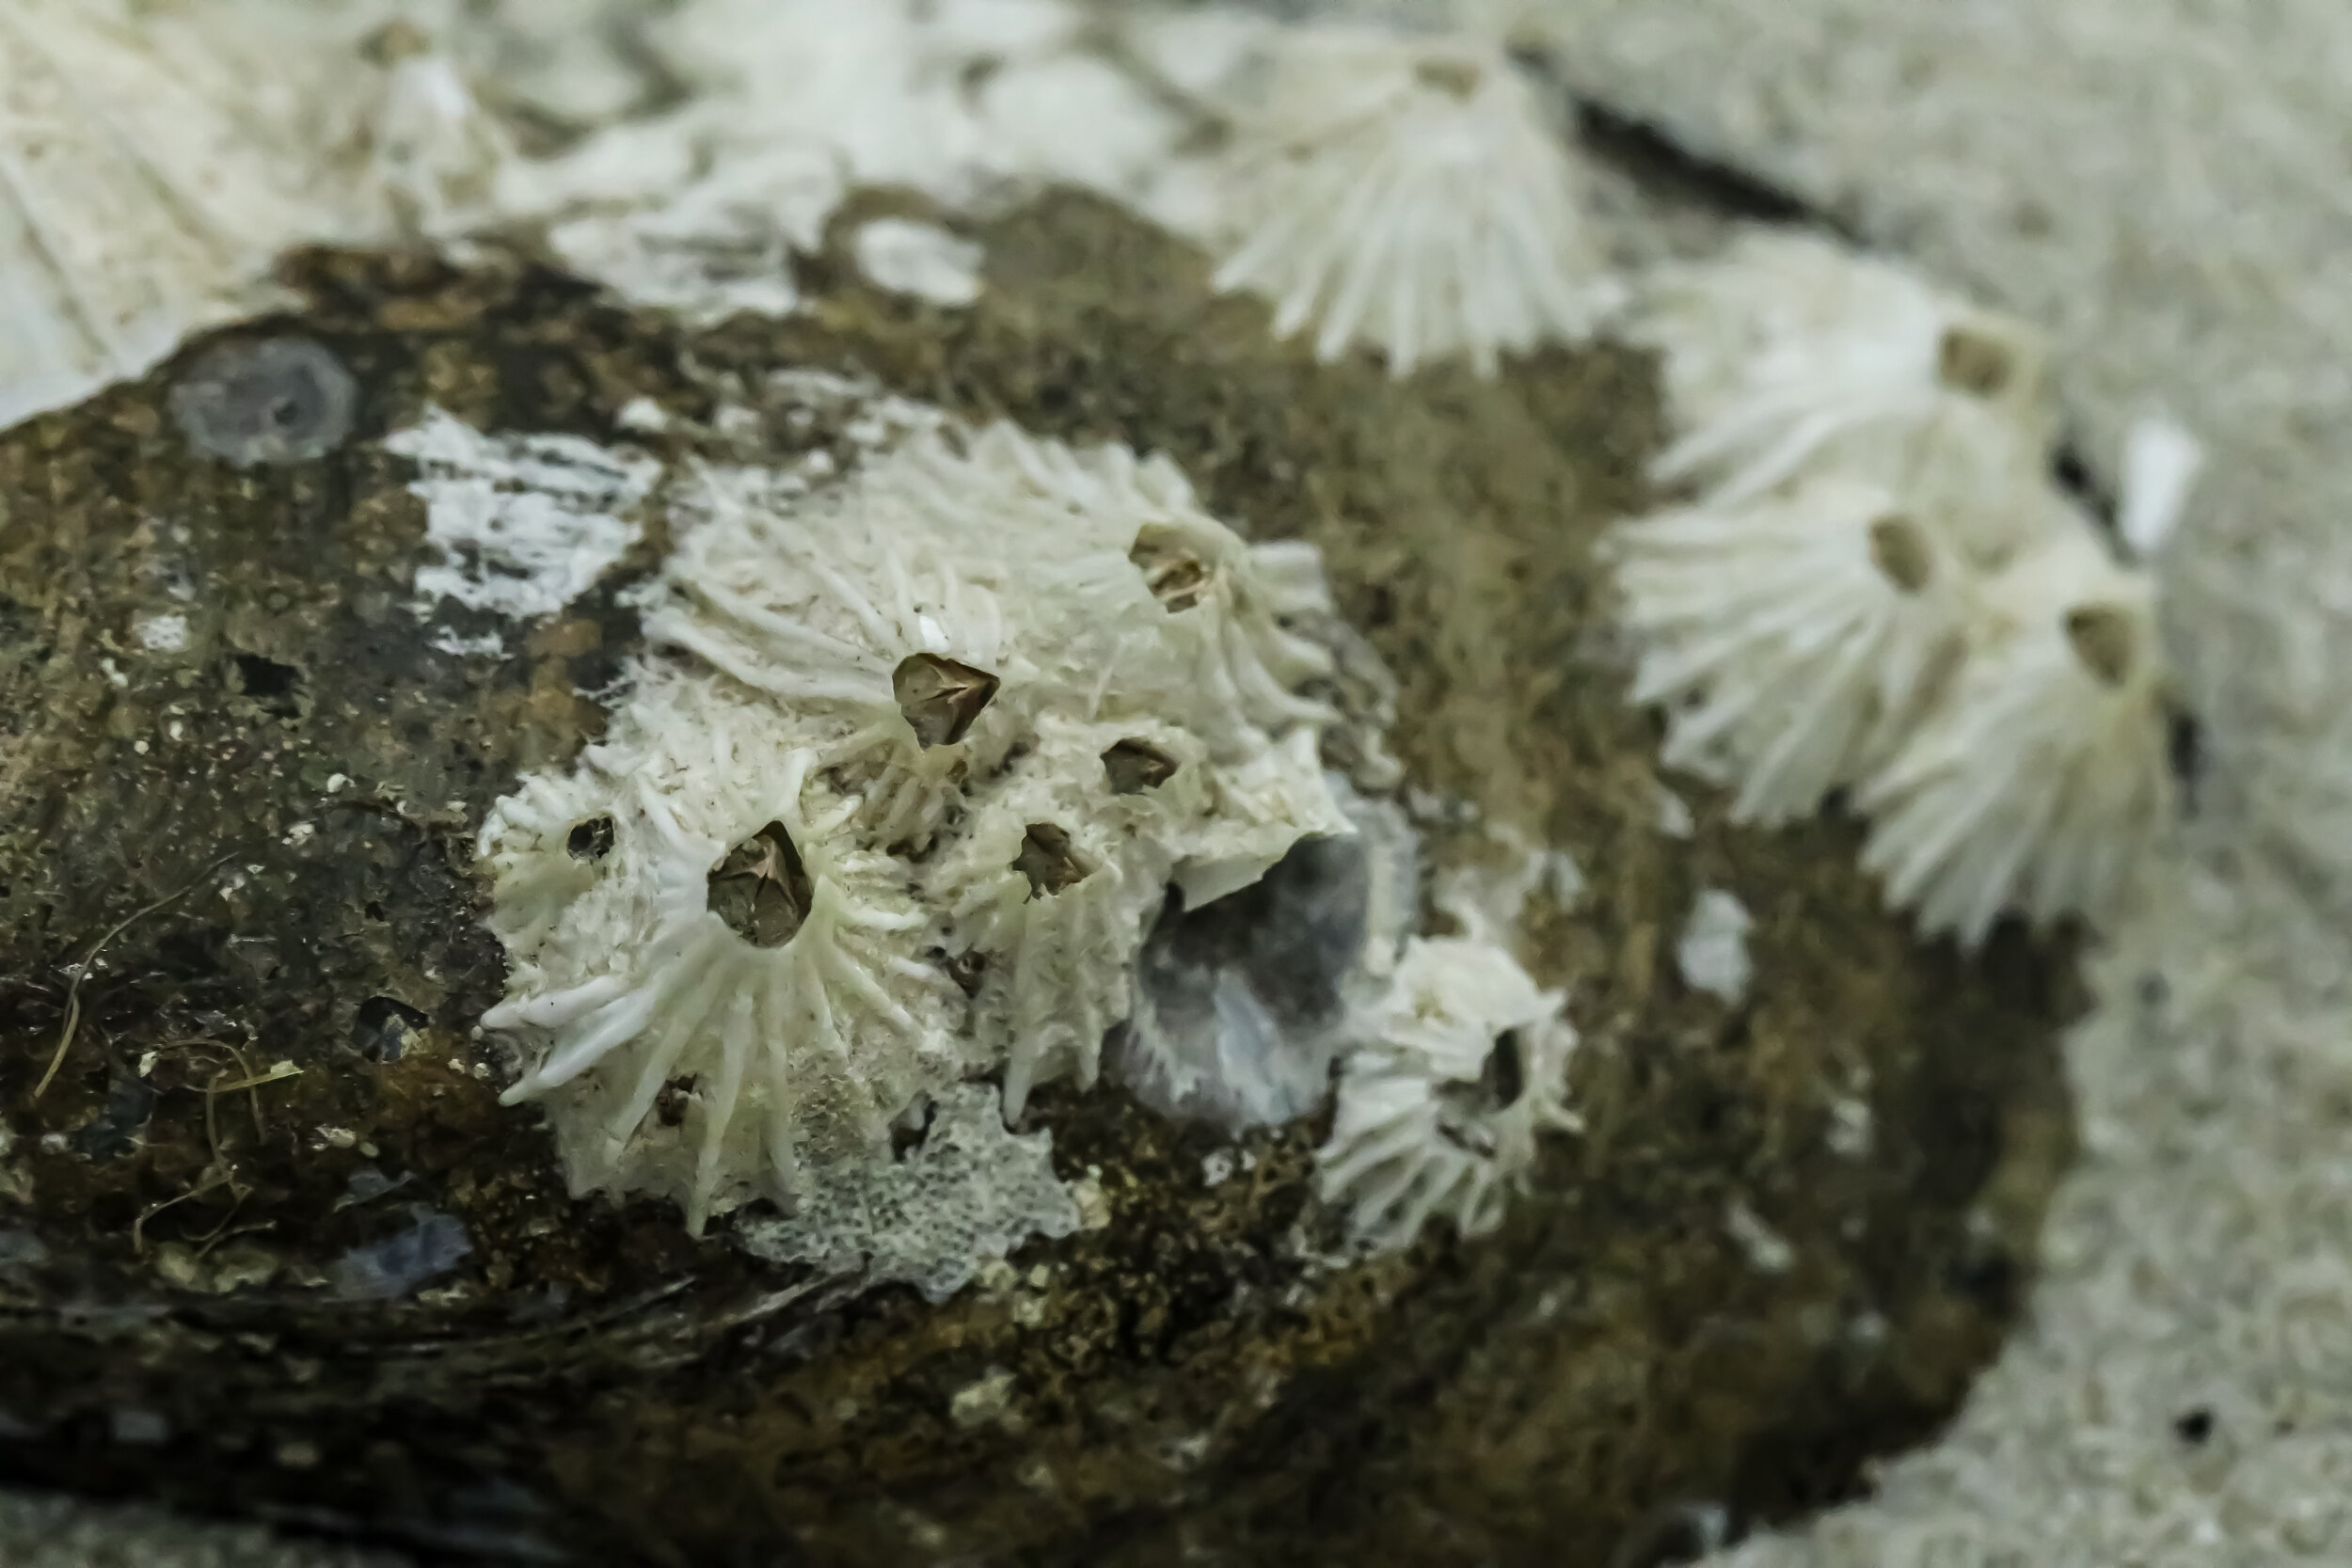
<point x="1790" y="356"/>
<point x="137" y="204"/>
<point x="1045" y="910"/>
<point x="1407" y="193"/>
<point x="1457" y="1071"/>
<point x="425" y="146"/>
<point x="2039" y="776"/>
<point x="1793" y="638"/>
<point x="736" y="987"/>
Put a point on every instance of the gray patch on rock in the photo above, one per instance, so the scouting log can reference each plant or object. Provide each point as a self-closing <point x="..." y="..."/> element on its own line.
<point x="275" y="400"/>
<point x="971" y="1191"/>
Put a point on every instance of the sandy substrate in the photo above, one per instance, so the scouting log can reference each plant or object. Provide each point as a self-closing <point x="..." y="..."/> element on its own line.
<point x="2164" y="184"/>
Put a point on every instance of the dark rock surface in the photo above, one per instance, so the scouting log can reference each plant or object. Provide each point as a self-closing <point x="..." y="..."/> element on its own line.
<point x="272" y="1248"/>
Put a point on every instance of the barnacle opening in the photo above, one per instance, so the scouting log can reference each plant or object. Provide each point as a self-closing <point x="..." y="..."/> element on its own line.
<point x="940" y="698"/>
<point x="1900" y="550"/>
<point x="761" y="889"/>
<point x="1460" y="78"/>
<point x="669" y="1106"/>
<point x="2103" y="639"/>
<point x="1178" y="577"/>
<point x="590" y="840"/>
<point x="396" y="41"/>
<point x="1136" y="766"/>
<point x="1973" y="361"/>
<point x="1049" y="861"/>
<point x="1504" y="1076"/>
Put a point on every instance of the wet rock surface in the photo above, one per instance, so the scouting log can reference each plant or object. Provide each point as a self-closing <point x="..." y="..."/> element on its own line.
<point x="272" y="1247"/>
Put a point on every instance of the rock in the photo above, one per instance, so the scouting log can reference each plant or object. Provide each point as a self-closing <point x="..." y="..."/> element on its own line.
<point x="269" y="1206"/>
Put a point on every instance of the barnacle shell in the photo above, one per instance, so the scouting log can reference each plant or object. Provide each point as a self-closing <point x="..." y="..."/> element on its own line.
<point x="1405" y="193"/>
<point x="1457" y="1069"/>
<point x="630" y="977"/>
<point x="2037" y="781"/>
<point x="1790" y="355"/>
<point x="136" y="205"/>
<point x="1792" y="638"/>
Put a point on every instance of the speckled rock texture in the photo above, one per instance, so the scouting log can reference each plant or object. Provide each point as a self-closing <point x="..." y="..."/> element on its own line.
<point x="272" y="1249"/>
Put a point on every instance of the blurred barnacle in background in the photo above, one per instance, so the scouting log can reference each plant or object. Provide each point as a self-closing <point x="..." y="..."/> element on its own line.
<point x="1792" y="637"/>
<point x="426" y="148"/>
<point x="1879" y="586"/>
<point x="2035" y="783"/>
<point x="140" y="201"/>
<point x="1790" y="354"/>
<point x="1447" y="1082"/>
<point x="922" y="749"/>
<point x="1404" y="192"/>
<point x="687" y="211"/>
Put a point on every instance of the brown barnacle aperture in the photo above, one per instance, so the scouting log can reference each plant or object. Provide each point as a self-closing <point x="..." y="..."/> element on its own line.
<point x="590" y="839"/>
<point x="1049" y="861"/>
<point x="1455" y="78"/>
<point x="761" y="889"/>
<point x="1972" y="360"/>
<point x="941" y="697"/>
<point x="1174" y="572"/>
<point x="1900" y="550"/>
<point x="1136" y="766"/>
<point x="2103" y="639"/>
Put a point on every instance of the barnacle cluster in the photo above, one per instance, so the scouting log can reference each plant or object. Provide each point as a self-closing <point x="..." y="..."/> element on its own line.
<point x="1876" y="586"/>
<point x="922" y="752"/>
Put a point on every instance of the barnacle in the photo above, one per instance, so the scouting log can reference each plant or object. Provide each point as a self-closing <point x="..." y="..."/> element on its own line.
<point x="136" y="205"/>
<point x="1408" y="193"/>
<point x="2037" y="779"/>
<point x="738" y="943"/>
<point x="1794" y="638"/>
<point x="1790" y="356"/>
<point x="1454" y="1074"/>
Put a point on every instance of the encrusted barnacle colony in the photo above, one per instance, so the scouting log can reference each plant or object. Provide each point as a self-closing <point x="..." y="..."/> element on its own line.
<point x="135" y="206"/>
<point x="1879" y="588"/>
<point x="1406" y="193"/>
<point x="1452" y="1077"/>
<point x="918" y="756"/>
